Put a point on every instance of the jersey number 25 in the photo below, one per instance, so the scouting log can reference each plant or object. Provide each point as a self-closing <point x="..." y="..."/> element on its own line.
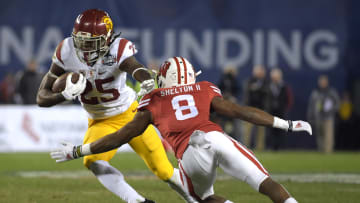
<point x="99" y="86"/>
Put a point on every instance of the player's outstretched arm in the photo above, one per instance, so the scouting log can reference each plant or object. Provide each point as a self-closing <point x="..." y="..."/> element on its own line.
<point x="132" y="129"/>
<point x="139" y="73"/>
<point x="112" y="141"/>
<point x="45" y="97"/>
<point x="247" y="113"/>
<point x="256" y="116"/>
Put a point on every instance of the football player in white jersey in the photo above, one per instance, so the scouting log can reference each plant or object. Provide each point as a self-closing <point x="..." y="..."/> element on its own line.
<point x="104" y="59"/>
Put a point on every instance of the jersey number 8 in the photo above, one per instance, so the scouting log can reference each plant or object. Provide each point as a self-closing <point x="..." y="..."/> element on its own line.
<point x="186" y="111"/>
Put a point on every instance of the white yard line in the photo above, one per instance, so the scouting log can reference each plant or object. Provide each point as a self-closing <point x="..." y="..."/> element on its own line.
<point x="54" y="174"/>
<point x="302" y="177"/>
<point x="319" y="177"/>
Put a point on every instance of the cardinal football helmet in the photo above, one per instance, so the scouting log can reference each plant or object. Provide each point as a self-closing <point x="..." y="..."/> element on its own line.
<point x="176" y="71"/>
<point x="92" y="34"/>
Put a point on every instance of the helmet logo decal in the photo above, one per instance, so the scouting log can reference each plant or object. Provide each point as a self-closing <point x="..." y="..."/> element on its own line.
<point x="164" y="68"/>
<point x="108" y="23"/>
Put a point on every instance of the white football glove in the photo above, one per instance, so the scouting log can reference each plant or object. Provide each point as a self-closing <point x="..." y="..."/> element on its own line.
<point x="66" y="153"/>
<point x="146" y="86"/>
<point x="300" y="126"/>
<point x="72" y="90"/>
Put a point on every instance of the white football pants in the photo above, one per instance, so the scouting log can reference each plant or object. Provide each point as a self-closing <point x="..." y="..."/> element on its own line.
<point x="207" y="151"/>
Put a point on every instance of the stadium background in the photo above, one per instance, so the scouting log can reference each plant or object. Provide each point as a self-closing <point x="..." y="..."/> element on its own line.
<point x="303" y="38"/>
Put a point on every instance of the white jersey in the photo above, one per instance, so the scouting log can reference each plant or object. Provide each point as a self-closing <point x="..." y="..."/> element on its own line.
<point x="106" y="92"/>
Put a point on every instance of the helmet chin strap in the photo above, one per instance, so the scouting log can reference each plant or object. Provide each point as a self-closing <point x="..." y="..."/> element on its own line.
<point x="198" y="73"/>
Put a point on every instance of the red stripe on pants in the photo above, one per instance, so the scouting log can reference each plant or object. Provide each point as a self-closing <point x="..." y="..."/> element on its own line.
<point x="247" y="154"/>
<point x="190" y="185"/>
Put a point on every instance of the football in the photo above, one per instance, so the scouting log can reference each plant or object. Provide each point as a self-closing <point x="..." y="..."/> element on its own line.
<point x="60" y="82"/>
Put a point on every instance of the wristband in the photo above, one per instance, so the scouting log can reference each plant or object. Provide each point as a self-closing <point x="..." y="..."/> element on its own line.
<point x="141" y="68"/>
<point x="281" y="123"/>
<point x="85" y="150"/>
<point x="81" y="150"/>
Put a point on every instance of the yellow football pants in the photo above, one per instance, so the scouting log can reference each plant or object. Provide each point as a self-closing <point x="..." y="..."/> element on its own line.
<point x="148" y="145"/>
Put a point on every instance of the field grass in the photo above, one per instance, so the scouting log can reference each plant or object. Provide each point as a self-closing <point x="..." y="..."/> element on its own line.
<point x="35" y="178"/>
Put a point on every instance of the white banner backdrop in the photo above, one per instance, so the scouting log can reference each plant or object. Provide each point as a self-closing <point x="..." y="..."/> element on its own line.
<point x="34" y="129"/>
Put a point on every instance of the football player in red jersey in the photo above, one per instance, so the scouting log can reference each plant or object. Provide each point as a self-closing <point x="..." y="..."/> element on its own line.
<point x="180" y="109"/>
<point x="104" y="60"/>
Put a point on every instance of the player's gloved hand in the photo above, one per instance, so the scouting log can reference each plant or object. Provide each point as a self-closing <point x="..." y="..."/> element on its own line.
<point x="66" y="153"/>
<point x="146" y="86"/>
<point x="72" y="90"/>
<point x="300" y="126"/>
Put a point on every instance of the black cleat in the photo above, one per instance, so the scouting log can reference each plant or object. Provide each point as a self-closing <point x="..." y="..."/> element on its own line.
<point x="148" y="201"/>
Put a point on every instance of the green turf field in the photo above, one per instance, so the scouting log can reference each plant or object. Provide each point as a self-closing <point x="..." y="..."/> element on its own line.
<point x="309" y="176"/>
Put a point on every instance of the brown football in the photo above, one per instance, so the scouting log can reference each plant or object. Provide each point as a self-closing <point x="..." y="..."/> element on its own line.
<point x="60" y="82"/>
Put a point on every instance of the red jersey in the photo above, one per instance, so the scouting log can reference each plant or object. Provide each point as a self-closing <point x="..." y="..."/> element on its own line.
<point x="178" y="111"/>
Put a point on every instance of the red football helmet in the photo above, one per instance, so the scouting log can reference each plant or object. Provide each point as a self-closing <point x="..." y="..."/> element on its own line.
<point x="92" y="34"/>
